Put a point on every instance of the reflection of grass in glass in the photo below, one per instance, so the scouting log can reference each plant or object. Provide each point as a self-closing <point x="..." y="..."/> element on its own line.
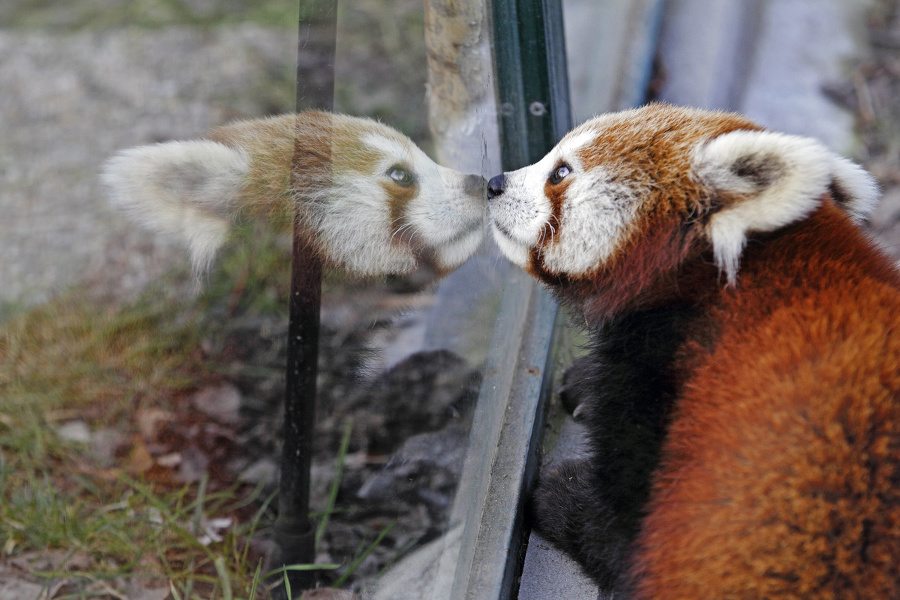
<point x="362" y="556"/>
<point x="335" y="482"/>
<point x="93" y="14"/>
<point x="77" y="359"/>
<point x="77" y="353"/>
<point x="124" y="528"/>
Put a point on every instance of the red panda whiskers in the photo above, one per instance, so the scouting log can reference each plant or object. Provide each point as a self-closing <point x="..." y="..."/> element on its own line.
<point x="399" y="231"/>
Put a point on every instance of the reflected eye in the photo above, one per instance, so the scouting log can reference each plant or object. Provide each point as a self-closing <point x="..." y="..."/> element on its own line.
<point x="401" y="176"/>
<point x="560" y="173"/>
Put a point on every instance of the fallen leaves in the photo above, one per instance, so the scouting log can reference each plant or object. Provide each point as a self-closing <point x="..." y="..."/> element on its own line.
<point x="59" y="574"/>
<point x="193" y="438"/>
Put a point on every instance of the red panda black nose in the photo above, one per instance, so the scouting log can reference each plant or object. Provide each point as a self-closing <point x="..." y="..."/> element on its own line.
<point x="496" y="186"/>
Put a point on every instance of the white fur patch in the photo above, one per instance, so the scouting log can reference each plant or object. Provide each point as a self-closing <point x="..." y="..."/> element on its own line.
<point x="518" y="216"/>
<point x="353" y="223"/>
<point x="443" y="213"/>
<point x="858" y="184"/>
<point x="181" y="189"/>
<point x="353" y="217"/>
<point x="595" y="218"/>
<point x="782" y="180"/>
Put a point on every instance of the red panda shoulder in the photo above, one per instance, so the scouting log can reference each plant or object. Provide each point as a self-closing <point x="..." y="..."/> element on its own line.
<point x="784" y="430"/>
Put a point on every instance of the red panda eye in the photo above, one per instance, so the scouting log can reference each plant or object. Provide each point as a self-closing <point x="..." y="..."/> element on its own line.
<point x="401" y="176"/>
<point x="560" y="173"/>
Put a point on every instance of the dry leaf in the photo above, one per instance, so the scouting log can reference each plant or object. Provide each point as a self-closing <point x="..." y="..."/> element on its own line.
<point x="150" y="422"/>
<point x="140" y="460"/>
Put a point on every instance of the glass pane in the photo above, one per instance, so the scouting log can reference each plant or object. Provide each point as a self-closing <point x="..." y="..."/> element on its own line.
<point x="140" y="395"/>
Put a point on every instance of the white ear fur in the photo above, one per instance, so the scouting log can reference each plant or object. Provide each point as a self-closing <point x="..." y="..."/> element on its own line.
<point x="772" y="179"/>
<point x="858" y="187"/>
<point x="181" y="189"/>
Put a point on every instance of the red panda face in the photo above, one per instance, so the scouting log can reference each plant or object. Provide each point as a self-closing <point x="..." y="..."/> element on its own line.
<point x="366" y="198"/>
<point x="619" y="206"/>
<point x="406" y="208"/>
<point x="374" y="203"/>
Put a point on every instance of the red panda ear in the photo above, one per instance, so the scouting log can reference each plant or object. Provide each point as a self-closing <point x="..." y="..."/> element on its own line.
<point x="765" y="180"/>
<point x="180" y="189"/>
<point x="853" y="188"/>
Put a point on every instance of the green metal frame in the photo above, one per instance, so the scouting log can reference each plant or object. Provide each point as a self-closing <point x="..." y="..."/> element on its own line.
<point x="534" y="113"/>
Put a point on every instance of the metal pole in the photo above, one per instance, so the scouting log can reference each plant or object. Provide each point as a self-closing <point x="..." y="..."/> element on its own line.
<point x="294" y="532"/>
<point x="532" y="78"/>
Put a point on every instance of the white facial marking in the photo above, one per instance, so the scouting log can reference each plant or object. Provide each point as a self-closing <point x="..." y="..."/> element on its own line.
<point x="518" y="216"/>
<point x="442" y="214"/>
<point x="594" y="217"/>
<point x="354" y="225"/>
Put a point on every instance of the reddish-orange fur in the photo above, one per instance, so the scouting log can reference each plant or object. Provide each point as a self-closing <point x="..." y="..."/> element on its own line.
<point x="741" y="393"/>
<point x="652" y="149"/>
<point x="780" y="475"/>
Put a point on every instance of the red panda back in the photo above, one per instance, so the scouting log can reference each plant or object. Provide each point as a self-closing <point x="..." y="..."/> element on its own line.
<point x="781" y="469"/>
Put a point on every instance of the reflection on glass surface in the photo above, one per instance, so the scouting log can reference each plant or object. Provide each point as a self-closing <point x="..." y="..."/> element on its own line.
<point x="412" y="414"/>
<point x="165" y="396"/>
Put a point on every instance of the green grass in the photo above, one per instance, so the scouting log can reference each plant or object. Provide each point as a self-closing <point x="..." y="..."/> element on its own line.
<point x="100" y="14"/>
<point x="75" y="358"/>
<point x="125" y="528"/>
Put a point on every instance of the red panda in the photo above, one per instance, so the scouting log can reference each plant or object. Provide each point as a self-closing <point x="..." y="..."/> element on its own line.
<point x="742" y="393"/>
<point x="369" y="201"/>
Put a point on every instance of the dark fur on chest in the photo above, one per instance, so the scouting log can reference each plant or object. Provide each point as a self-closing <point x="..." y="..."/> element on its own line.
<point x="591" y="507"/>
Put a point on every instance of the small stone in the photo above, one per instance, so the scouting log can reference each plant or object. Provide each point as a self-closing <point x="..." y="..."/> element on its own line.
<point x="221" y="402"/>
<point x="75" y="431"/>
<point x="263" y="471"/>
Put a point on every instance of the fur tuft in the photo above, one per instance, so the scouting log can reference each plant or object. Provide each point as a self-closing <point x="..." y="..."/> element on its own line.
<point x="856" y="189"/>
<point x="764" y="180"/>
<point x="180" y="189"/>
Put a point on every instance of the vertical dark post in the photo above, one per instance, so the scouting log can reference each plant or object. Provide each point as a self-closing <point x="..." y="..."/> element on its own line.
<point x="534" y="109"/>
<point x="294" y="532"/>
<point x="532" y="79"/>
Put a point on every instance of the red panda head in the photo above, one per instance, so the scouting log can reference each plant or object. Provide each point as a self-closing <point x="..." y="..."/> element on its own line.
<point x="376" y="203"/>
<point x="618" y="208"/>
<point x="367" y="200"/>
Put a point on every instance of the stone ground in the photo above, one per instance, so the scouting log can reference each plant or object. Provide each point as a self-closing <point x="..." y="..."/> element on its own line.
<point x="77" y="97"/>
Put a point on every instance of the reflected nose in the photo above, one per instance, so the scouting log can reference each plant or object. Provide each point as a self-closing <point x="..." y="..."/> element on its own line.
<point x="474" y="185"/>
<point x="496" y="186"/>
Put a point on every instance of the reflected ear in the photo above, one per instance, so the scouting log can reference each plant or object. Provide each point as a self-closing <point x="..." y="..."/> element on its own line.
<point x="180" y="189"/>
<point x="764" y="181"/>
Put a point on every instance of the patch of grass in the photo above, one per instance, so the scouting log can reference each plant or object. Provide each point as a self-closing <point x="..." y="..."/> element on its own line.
<point x="75" y="358"/>
<point x="125" y="529"/>
<point x="100" y="14"/>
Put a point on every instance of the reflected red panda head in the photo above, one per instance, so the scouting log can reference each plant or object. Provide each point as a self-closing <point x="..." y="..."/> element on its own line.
<point x="367" y="200"/>
<point x="625" y="200"/>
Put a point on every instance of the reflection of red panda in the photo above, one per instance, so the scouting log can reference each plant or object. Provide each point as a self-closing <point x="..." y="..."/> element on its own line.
<point x="368" y="199"/>
<point x="743" y="393"/>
